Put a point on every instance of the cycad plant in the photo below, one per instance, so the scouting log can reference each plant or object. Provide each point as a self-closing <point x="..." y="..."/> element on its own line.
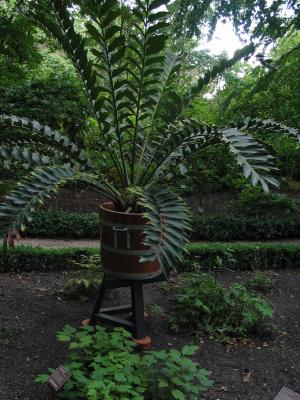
<point x="129" y="76"/>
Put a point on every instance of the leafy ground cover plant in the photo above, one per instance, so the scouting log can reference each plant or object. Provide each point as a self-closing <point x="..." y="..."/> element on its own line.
<point x="140" y="122"/>
<point x="85" y="280"/>
<point x="207" y="307"/>
<point x="261" y="282"/>
<point x="104" y="366"/>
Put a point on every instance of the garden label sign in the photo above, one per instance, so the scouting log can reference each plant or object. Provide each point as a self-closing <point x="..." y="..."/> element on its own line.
<point x="58" y="378"/>
<point x="287" y="394"/>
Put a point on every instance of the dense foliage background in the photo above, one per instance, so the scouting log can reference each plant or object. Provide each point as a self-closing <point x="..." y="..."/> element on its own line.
<point x="37" y="80"/>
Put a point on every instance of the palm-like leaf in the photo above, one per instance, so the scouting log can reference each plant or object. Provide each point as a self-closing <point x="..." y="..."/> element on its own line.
<point x="252" y="156"/>
<point x="37" y="134"/>
<point x="25" y="156"/>
<point x="39" y="185"/>
<point x="168" y="223"/>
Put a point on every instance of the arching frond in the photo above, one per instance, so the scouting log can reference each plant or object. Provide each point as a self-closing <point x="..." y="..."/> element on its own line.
<point x="62" y="29"/>
<point x="31" y="193"/>
<point x="252" y="157"/>
<point x="268" y="125"/>
<point x="218" y="69"/>
<point x="41" y="184"/>
<point x="168" y="224"/>
<point x="25" y="156"/>
<point x="176" y="142"/>
<point x="58" y="140"/>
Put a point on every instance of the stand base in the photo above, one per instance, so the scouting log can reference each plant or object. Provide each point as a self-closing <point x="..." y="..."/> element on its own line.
<point x="143" y="344"/>
<point x="111" y="315"/>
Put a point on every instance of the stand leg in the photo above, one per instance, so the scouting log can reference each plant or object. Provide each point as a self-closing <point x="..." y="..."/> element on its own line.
<point x="99" y="300"/>
<point x="138" y="309"/>
<point x="137" y="326"/>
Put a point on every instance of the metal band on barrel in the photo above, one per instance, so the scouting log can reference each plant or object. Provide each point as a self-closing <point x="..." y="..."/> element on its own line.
<point x="126" y="252"/>
<point x="122" y="226"/>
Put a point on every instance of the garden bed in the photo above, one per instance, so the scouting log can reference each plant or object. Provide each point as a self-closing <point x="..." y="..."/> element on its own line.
<point x="251" y="369"/>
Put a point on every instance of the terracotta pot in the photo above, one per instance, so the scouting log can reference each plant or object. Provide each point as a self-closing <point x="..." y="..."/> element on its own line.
<point x="122" y="245"/>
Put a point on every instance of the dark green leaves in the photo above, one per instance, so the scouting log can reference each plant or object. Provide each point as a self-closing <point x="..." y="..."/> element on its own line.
<point x="252" y="157"/>
<point x="39" y="131"/>
<point x="168" y="225"/>
<point x="31" y="193"/>
<point x="157" y="3"/>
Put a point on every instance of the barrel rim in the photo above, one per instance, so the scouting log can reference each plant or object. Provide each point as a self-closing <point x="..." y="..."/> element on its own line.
<point x="103" y="208"/>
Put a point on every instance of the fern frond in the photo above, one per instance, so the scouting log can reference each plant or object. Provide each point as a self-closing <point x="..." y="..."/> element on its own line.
<point x="74" y="46"/>
<point x="113" y="108"/>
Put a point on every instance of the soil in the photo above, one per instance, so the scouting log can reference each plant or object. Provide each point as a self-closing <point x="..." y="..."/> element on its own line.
<point x="31" y="312"/>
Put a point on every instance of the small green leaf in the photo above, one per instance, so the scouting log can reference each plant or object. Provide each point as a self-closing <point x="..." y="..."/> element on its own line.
<point x="178" y="395"/>
<point x="189" y="350"/>
<point x="43" y="378"/>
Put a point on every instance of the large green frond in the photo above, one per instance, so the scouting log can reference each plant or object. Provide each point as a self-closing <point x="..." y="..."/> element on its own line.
<point x="268" y="125"/>
<point x="113" y="107"/>
<point x="217" y="70"/>
<point x="36" y="131"/>
<point x="251" y="156"/>
<point x="25" y="156"/>
<point x="174" y="144"/>
<point x="61" y="27"/>
<point x="168" y="226"/>
<point x="173" y="104"/>
<point x="30" y="194"/>
<point x="166" y="78"/>
<point x="146" y="59"/>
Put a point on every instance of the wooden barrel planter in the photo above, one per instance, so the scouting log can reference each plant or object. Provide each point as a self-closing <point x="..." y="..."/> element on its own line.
<point x="122" y="245"/>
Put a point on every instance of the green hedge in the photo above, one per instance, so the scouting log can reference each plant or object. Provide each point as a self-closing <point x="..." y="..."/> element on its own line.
<point x="240" y="256"/>
<point x="54" y="223"/>
<point x="27" y="258"/>
<point x="241" y="227"/>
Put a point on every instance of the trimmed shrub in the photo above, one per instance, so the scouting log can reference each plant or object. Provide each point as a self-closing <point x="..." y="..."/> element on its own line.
<point x="241" y="227"/>
<point x="27" y="258"/>
<point x="242" y="256"/>
<point x="56" y="223"/>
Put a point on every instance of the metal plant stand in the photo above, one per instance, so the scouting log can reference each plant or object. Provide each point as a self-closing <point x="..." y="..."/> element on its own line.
<point x="111" y="315"/>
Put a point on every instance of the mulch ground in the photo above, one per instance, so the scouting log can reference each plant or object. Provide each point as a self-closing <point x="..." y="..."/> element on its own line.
<point x="31" y="312"/>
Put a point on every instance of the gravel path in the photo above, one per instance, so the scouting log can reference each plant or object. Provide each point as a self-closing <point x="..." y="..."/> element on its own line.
<point x="81" y="243"/>
<point x="59" y="243"/>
